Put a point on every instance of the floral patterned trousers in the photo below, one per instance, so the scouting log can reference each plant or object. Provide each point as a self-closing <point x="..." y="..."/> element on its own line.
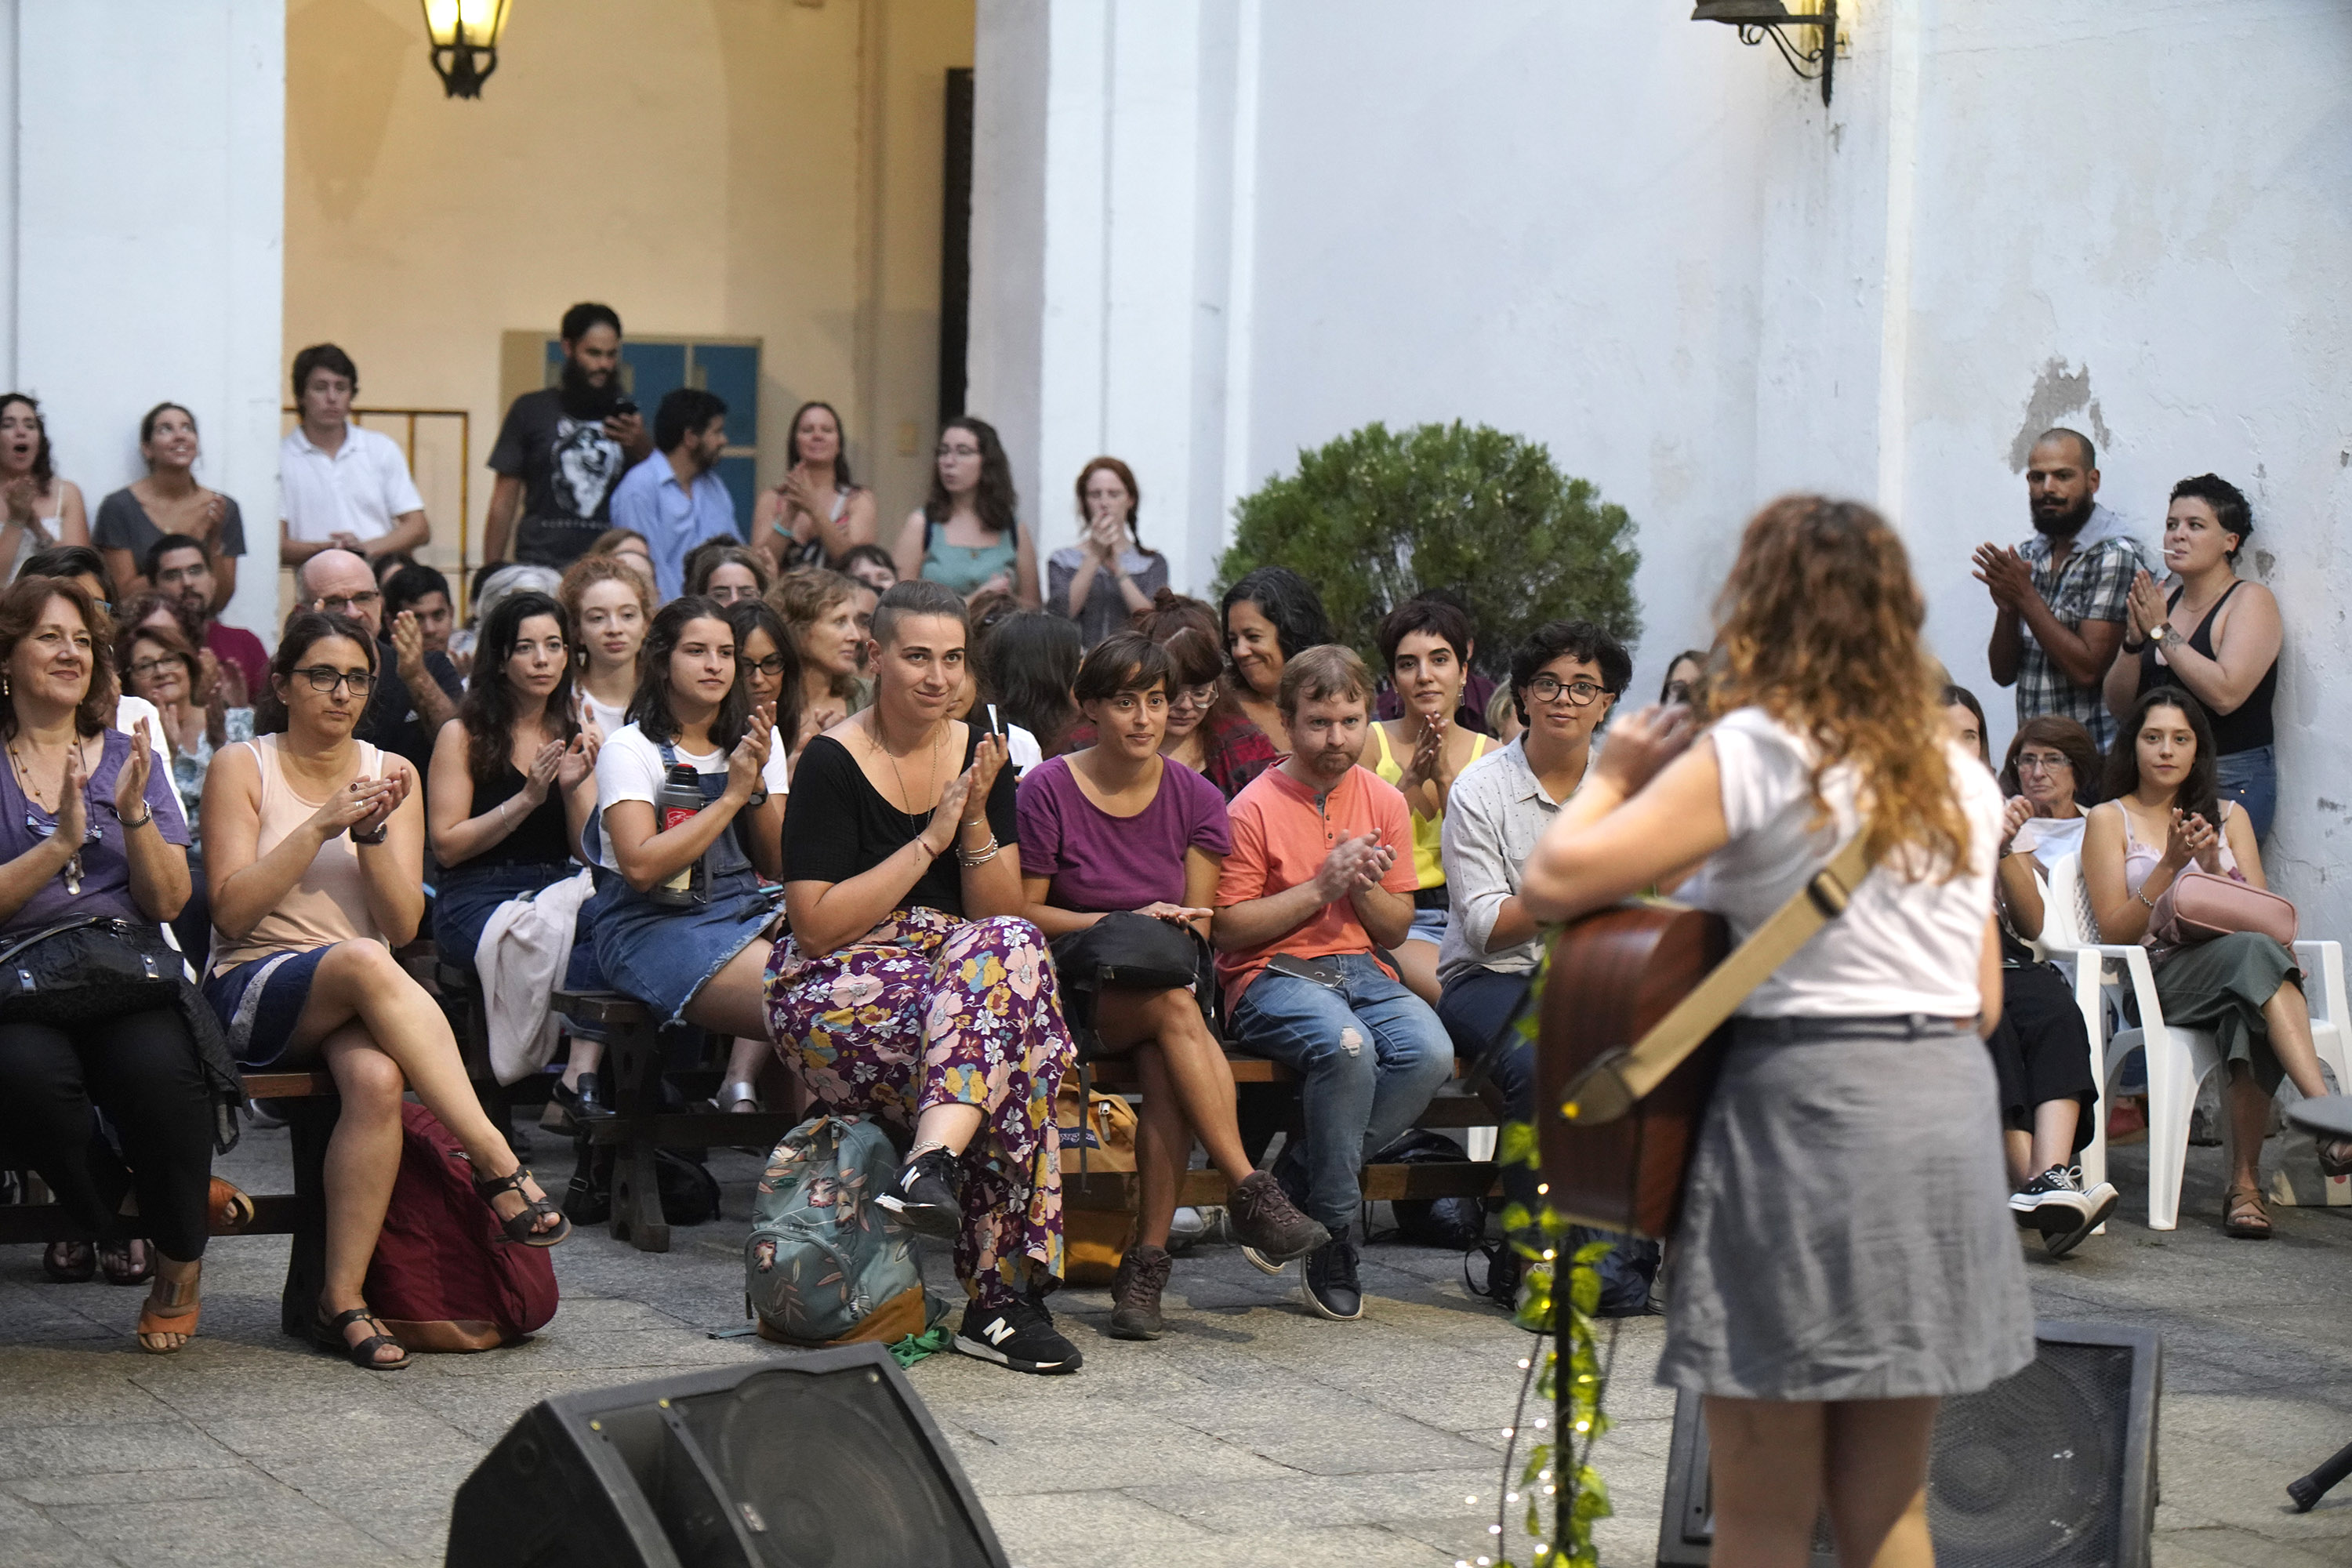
<point x="931" y="1009"/>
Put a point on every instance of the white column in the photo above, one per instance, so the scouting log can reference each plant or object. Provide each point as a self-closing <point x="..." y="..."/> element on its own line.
<point x="149" y="240"/>
<point x="1132" y="166"/>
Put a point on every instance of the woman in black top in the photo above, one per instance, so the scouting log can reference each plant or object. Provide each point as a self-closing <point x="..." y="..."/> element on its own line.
<point x="2215" y="634"/>
<point x="911" y="989"/>
<point x="514" y="776"/>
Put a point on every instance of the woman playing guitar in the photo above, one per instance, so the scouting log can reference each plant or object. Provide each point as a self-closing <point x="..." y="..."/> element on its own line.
<point x="1844" y="1257"/>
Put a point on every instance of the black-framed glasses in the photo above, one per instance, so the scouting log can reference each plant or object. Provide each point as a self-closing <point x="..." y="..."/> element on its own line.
<point x="325" y="678"/>
<point x="771" y="666"/>
<point x="146" y="668"/>
<point x="1550" y="688"/>
<point x="345" y="604"/>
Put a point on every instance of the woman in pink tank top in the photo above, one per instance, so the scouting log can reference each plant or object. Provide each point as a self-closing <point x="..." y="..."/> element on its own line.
<point x="315" y="858"/>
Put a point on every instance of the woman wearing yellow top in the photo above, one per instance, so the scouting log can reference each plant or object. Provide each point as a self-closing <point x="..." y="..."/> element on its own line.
<point x="1426" y="644"/>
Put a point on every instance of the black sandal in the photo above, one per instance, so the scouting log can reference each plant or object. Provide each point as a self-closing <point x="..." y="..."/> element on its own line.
<point x="125" y="1266"/>
<point x="69" y="1262"/>
<point x="520" y="1227"/>
<point x="328" y="1333"/>
<point x="2335" y="1157"/>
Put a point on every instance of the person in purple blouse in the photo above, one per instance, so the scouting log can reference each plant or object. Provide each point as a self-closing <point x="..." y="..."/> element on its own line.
<point x="1117" y="826"/>
<point x="90" y="827"/>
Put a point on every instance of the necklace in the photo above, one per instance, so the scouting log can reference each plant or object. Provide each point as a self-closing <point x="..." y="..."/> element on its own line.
<point x="72" y="872"/>
<point x="930" y="778"/>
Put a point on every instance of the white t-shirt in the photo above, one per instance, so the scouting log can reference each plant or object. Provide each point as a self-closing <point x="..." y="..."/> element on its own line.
<point x="607" y="719"/>
<point x="1901" y="946"/>
<point x="356" y="490"/>
<point x="630" y="767"/>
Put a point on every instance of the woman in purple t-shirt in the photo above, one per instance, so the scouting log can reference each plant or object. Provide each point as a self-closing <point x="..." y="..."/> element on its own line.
<point x="1116" y="826"/>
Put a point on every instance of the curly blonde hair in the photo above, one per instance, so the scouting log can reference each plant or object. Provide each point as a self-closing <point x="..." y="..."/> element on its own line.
<point x="1818" y="624"/>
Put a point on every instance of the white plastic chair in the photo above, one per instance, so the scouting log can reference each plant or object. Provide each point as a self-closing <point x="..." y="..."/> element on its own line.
<point x="2177" y="1058"/>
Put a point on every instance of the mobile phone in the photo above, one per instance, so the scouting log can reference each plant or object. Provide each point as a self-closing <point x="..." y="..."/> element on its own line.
<point x="994" y="726"/>
<point x="627" y="406"/>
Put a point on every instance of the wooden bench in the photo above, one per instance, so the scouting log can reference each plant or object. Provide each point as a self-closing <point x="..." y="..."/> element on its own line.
<point x="1266" y="1105"/>
<point x="635" y="1056"/>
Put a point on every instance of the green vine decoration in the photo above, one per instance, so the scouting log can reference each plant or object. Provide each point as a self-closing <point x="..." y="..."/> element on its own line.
<point x="1578" y="1506"/>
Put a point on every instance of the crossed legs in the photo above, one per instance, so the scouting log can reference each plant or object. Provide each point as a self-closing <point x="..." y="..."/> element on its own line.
<point x="1188" y="1092"/>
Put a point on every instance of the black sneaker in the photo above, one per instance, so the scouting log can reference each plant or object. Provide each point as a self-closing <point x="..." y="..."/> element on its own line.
<point x="1021" y="1336"/>
<point x="1135" y="1292"/>
<point x="1331" y="1289"/>
<point x="1268" y="1224"/>
<point x="2055" y="1204"/>
<point x="924" y="1195"/>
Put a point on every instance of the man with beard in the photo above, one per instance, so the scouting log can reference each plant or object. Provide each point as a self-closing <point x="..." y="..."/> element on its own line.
<point x="2061" y="598"/>
<point x="1320" y="877"/>
<point x="183" y="572"/>
<point x="680" y="501"/>
<point x="563" y="450"/>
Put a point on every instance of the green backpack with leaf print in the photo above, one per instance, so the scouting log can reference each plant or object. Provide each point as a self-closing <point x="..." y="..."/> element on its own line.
<point x="826" y="1264"/>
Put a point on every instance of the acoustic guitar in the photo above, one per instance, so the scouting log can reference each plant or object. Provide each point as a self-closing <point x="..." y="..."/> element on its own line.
<point x="1636" y="1014"/>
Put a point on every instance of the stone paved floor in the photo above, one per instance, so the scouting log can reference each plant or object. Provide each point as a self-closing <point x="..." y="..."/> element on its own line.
<point x="1251" y="1434"/>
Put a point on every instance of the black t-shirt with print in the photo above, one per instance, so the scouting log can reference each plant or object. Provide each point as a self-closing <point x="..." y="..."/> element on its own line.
<point x="568" y="468"/>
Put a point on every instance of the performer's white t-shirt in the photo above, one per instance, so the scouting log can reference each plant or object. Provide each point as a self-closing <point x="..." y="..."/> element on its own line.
<point x="1902" y="946"/>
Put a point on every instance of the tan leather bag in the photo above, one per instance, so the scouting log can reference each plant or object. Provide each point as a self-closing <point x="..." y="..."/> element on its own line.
<point x="1098" y="1134"/>
<point x="2200" y="906"/>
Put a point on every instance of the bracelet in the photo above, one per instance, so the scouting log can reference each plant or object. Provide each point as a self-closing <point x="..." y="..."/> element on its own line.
<point x="131" y="826"/>
<point x="2144" y="899"/>
<point x="977" y="822"/>
<point x="375" y="837"/>
<point x="981" y="856"/>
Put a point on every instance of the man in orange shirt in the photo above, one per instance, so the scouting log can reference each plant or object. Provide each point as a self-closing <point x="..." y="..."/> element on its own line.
<point x="1320" y="876"/>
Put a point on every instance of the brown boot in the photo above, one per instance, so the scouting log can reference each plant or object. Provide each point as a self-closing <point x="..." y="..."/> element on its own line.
<point x="1135" y="1292"/>
<point x="1266" y="1222"/>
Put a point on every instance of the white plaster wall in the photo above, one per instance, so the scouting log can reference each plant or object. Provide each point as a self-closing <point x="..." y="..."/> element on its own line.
<point x="1624" y="234"/>
<point x="147" y="236"/>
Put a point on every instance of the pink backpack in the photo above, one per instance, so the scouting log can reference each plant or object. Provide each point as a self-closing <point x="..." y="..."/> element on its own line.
<point x="444" y="1277"/>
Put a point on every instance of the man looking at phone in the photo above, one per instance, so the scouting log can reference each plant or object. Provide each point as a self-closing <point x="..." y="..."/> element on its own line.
<point x="564" y="449"/>
<point x="1315" y="886"/>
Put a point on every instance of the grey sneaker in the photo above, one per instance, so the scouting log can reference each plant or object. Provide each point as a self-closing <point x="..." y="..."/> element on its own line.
<point x="2056" y="1204"/>
<point x="1135" y="1292"/>
<point x="1269" y="1224"/>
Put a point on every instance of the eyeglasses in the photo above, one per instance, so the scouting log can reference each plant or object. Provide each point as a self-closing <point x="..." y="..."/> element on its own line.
<point x="2030" y="764"/>
<point x="1198" y="696"/>
<point x="946" y="451"/>
<point x="729" y="593"/>
<point x="325" y="678"/>
<point x="148" y="666"/>
<point x="1550" y="688"/>
<point x="771" y="665"/>
<point x="345" y="604"/>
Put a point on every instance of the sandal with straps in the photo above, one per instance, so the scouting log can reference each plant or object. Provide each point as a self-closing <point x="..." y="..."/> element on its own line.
<point x="2243" y="1215"/>
<point x="329" y="1334"/>
<point x="2335" y="1157"/>
<point x="69" y="1262"/>
<point x="172" y="1308"/>
<point x="520" y="1227"/>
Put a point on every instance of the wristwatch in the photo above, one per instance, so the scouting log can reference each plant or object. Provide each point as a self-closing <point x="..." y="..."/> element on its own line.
<point x="2164" y="637"/>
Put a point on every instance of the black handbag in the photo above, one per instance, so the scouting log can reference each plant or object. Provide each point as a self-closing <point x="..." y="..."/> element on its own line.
<point x="1128" y="951"/>
<point x="86" y="970"/>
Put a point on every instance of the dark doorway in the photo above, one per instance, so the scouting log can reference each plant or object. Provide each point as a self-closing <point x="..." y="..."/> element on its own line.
<point x="955" y="245"/>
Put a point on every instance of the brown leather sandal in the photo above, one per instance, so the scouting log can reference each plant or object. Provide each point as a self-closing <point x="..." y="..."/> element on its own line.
<point x="521" y="1227"/>
<point x="2243" y="1215"/>
<point x="329" y="1334"/>
<point x="172" y="1308"/>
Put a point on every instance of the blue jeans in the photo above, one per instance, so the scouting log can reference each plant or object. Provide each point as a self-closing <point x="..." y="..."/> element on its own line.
<point x="1372" y="1054"/>
<point x="2250" y="778"/>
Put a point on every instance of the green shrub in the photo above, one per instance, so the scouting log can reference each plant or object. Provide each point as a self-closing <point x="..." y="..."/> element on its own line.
<point x="1376" y="517"/>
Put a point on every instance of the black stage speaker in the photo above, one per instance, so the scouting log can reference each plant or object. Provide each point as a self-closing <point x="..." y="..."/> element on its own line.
<point x="820" y="1461"/>
<point x="2054" y="1467"/>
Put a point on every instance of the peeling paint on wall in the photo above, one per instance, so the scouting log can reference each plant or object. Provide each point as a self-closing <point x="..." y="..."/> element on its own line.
<point x="2057" y="393"/>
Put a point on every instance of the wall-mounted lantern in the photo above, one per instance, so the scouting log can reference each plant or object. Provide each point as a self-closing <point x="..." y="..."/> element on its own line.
<point x="1758" y="19"/>
<point x="464" y="35"/>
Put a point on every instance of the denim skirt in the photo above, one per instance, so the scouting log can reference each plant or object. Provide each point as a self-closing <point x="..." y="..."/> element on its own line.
<point x="260" y="1001"/>
<point x="663" y="955"/>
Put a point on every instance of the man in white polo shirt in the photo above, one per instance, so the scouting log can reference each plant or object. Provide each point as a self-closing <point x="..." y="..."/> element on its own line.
<point x="342" y="487"/>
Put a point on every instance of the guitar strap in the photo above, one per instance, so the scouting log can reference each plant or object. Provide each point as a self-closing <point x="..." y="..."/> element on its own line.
<point x="1609" y="1086"/>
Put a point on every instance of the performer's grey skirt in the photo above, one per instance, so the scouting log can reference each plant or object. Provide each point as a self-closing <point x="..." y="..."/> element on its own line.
<point x="1845" y="1233"/>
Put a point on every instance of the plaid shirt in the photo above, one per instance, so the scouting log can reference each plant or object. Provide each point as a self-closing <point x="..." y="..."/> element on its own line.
<point x="2091" y="583"/>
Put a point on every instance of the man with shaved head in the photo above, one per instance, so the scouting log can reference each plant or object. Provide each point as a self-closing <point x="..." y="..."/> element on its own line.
<point x="2061" y="599"/>
<point x="415" y="690"/>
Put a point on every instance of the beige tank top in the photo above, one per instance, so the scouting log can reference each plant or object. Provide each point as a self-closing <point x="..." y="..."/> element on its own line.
<point x="329" y="904"/>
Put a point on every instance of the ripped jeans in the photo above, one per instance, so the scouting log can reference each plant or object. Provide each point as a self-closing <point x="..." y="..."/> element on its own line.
<point x="1370" y="1054"/>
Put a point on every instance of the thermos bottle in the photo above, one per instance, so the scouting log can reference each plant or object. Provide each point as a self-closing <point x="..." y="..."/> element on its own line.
<point x="679" y="797"/>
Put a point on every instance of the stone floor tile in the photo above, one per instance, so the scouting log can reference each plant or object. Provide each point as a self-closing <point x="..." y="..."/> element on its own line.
<point x="97" y="1447"/>
<point x="42" y="1544"/>
<point x="182" y="1534"/>
<point x="142" y="1486"/>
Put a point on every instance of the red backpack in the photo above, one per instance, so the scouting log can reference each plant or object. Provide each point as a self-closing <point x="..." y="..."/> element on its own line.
<point x="444" y="1277"/>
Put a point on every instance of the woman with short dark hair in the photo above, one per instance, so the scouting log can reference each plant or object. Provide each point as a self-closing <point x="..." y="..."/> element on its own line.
<point x="1028" y="663"/>
<point x="1270" y="617"/>
<point x="911" y="989"/>
<point x="2216" y="635"/>
<point x="1117" y="826"/>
